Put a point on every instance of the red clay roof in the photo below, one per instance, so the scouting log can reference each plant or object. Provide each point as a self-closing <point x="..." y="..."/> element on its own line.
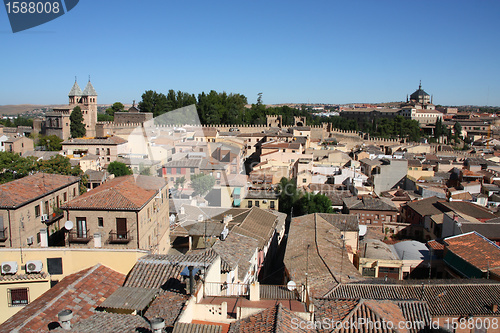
<point x="476" y="250"/>
<point x="21" y="191"/>
<point x="121" y="193"/>
<point x="81" y="292"/>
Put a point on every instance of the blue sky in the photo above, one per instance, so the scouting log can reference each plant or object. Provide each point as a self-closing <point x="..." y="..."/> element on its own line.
<point x="291" y="51"/>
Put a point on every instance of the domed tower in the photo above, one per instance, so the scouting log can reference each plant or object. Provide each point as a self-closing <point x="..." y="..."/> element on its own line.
<point x="420" y="96"/>
<point x="89" y="109"/>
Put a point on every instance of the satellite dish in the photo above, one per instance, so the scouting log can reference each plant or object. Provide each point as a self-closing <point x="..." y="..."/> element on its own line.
<point x="291" y="285"/>
<point x="68" y="225"/>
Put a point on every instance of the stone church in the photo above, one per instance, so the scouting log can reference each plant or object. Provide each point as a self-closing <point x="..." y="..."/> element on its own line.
<point x="57" y="122"/>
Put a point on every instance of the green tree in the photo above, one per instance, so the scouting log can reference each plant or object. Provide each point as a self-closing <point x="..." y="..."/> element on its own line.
<point x="119" y="169"/>
<point x="314" y="203"/>
<point x="116" y="107"/>
<point x="104" y="117"/>
<point x="77" y="126"/>
<point x="457" y="129"/>
<point x="202" y="184"/>
<point x="179" y="182"/>
<point x="438" y="129"/>
<point x="154" y="102"/>
<point x="288" y="195"/>
<point x="50" y="142"/>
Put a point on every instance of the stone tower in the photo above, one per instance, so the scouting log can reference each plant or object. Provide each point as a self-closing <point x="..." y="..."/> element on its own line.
<point x="89" y="109"/>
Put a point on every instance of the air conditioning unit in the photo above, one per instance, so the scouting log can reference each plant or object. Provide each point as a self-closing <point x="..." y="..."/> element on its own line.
<point x="34" y="266"/>
<point x="44" y="217"/>
<point x="9" y="267"/>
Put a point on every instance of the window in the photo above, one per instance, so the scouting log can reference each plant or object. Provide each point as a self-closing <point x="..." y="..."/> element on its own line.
<point x="304" y="180"/>
<point x="192" y="170"/>
<point x="18" y="297"/>
<point x="272" y="204"/>
<point x="97" y="151"/>
<point x="65" y="197"/>
<point x="249" y="203"/>
<point x="74" y="192"/>
<point x="100" y="222"/>
<point x="37" y="210"/>
<point x="178" y="171"/>
<point x="368" y="271"/>
<point x="108" y="151"/>
<point x="257" y="203"/>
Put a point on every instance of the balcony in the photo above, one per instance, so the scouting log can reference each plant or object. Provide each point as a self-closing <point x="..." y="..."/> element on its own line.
<point x="119" y="238"/>
<point x="3" y="234"/>
<point x="79" y="236"/>
<point x="53" y="218"/>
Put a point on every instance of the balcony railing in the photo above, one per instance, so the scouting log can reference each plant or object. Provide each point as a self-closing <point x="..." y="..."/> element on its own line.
<point x="226" y="289"/>
<point x="119" y="238"/>
<point x="79" y="236"/>
<point x="53" y="218"/>
<point x="3" y="234"/>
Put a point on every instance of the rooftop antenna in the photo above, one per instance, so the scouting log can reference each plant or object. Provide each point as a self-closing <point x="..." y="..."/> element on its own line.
<point x="75" y="78"/>
<point x="89" y="77"/>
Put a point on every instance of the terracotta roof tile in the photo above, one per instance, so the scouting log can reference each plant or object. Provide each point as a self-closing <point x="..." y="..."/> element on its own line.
<point x="81" y="292"/>
<point x="168" y="305"/>
<point x="443" y="298"/>
<point x="22" y="191"/>
<point x="121" y="193"/>
<point x="475" y="249"/>
<point x="275" y="319"/>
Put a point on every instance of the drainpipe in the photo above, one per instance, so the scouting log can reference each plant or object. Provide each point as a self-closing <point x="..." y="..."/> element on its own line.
<point x="137" y="222"/>
<point x="10" y="229"/>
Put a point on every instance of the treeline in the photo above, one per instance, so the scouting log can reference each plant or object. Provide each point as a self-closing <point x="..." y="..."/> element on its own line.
<point x="219" y="108"/>
<point x="397" y="127"/>
<point x="13" y="166"/>
<point x="19" y="121"/>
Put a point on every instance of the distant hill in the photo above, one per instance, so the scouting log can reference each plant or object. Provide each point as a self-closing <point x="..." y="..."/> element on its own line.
<point x="13" y="110"/>
<point x="17" y="109"/>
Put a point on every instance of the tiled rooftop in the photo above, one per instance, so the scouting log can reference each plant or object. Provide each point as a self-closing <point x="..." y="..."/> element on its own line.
<point x="443" y="298"/>
<point x="164" y="271"/>
<point x="274" y="319"/>
<point x="121" y="193"/>
<point x="315" y="247"/>
<point x="475" y="249"/>
<point x="111" y="141"/>
<point x="22" y="191"/>
<point x="81" y="292"/>
<point x="168" y="305"/>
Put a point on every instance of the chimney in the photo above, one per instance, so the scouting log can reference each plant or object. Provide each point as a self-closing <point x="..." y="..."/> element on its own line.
<point x="44" y="240"/>
<point x="227" y="218"/>
<point x="455" y="217"/>
<point x="99" y="131"/>
<point x="97" y="240"/>
<point x="157" y="325"/>
<point x="65" y="317"/>
<point x="494" y="307"/>
<point x="191" y="280"/>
